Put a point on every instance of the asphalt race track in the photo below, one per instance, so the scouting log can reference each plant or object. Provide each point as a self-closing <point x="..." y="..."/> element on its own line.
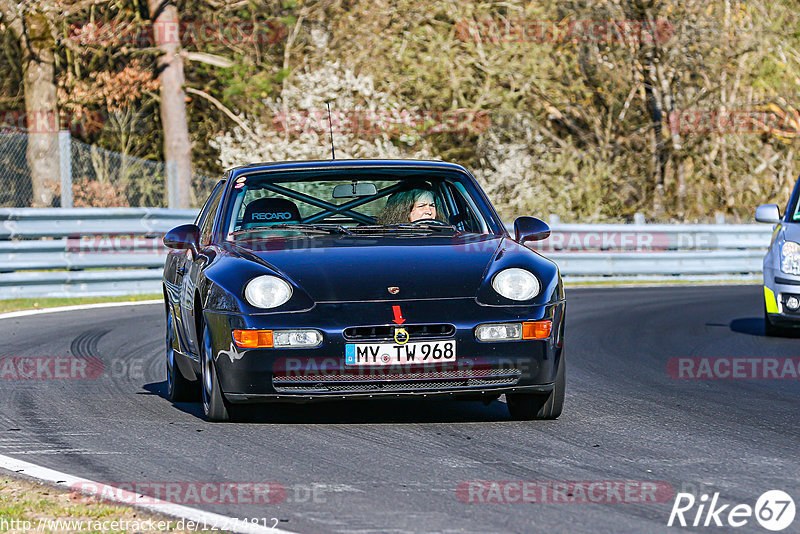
<point x="397" y="466"/>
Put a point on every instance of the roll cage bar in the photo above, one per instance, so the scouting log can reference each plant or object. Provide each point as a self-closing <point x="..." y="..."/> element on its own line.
<point x="333" y="209"/>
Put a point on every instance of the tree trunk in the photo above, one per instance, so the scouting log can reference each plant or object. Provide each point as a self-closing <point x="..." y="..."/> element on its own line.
<point x="41" y="100"/>
<point x="177" y="148"/>
<point x="655" y="110"/>
<point x="41" y="107"/>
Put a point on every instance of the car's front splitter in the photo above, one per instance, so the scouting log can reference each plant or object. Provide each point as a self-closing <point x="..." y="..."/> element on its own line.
<point x="460" y="393"/>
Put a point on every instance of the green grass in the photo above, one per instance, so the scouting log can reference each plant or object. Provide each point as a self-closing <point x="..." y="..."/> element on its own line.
<point x="32" y="304"/>
<point x="24" y="500"/>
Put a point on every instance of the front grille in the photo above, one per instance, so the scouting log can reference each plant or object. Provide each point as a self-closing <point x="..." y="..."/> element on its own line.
<point x="434" y="380"/>
<point x="378" y="373"/>
<point x="415" y="331"/>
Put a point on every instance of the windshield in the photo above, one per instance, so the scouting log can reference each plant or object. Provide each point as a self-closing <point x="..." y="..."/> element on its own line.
<point x="355" y="200"/>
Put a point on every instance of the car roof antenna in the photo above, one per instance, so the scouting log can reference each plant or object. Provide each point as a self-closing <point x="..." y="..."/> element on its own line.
<point x="330" y="125"/>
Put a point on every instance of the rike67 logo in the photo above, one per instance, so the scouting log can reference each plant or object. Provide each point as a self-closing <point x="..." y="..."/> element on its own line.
<point x="774" y="510"/>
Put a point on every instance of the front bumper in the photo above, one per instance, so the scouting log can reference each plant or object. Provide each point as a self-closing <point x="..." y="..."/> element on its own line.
<point x="778" y="287"/>
<point x="301" y="375"/>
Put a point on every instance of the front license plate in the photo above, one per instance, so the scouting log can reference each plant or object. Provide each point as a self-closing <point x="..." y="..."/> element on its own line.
<point x="392" y="354"/>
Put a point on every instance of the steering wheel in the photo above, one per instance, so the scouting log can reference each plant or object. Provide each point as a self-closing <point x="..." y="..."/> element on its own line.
<point x="432" y="222"/>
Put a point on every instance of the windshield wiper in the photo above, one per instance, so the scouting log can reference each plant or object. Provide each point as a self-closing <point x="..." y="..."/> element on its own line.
<point x="299" y="227"/>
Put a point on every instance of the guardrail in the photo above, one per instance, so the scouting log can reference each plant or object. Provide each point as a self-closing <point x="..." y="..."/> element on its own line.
<point x="27" y="223"/>
<point x="657" y="251"/>
<point x="117" y="251"/>
<point x="81" y="251"/>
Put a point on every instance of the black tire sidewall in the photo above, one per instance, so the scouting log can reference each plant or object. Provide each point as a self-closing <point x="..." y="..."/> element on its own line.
<point x="215" y="407"/>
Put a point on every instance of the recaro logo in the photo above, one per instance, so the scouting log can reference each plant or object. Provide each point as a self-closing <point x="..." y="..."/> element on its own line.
<point x="285" y="216"/>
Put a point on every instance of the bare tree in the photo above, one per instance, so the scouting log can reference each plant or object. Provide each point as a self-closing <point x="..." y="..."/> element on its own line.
<point x="177" y="147"/>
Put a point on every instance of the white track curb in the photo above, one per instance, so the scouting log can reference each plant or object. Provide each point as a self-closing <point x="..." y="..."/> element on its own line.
<point x="25" y="313"/>
<point x="51" y="476"/>
<point x="209" y="519"/>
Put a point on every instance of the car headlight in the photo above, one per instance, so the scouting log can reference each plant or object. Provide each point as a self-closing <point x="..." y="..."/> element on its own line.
<point x="267" y="291"/>
<point x="790" y="257"/>
<point x="516" y="284"/>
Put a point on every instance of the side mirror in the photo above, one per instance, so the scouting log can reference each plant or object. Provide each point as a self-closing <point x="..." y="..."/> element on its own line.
<point x="183" y="237"/>
<point x="530" y="229"/>
<point x="768" y="213"/>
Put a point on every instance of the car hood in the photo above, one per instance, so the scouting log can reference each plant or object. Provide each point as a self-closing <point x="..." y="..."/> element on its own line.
<point x="346" y="268"/>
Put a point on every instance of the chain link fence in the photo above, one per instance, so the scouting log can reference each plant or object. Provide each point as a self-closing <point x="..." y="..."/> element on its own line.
<point x="16" y="190"/>
<point x="100" y="178"/>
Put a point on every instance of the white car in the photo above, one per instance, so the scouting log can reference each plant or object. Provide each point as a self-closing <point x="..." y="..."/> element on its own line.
<point x="782" y="267"/>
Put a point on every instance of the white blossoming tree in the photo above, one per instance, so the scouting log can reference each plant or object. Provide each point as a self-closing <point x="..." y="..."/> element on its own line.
<point x="366" y="123"/>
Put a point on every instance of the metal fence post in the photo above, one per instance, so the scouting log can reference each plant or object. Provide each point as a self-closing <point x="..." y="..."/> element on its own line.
<point x="65" y="157"/>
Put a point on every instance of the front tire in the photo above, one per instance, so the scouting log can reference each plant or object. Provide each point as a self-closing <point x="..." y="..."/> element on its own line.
<point x="527" y="406"/>
<point x="215" y="407"/>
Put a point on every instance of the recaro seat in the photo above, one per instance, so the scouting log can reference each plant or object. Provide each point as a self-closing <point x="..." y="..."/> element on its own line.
<point x="268" y="211"/>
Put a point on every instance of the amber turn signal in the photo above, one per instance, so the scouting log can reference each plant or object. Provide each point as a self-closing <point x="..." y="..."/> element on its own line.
<point x="536" y="329"/>
<point x="253" y="339"/>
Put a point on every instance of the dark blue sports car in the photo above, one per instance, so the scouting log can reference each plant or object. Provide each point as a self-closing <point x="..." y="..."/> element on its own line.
<point x="345" y="279"/>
